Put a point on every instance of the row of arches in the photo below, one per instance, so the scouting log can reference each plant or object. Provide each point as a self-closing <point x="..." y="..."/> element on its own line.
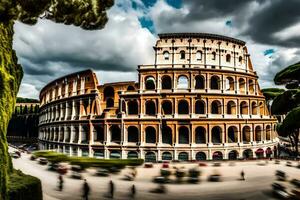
<point x="183" y="107"/>
<point x="215" y="83"/>
<point x="183" y="135"/>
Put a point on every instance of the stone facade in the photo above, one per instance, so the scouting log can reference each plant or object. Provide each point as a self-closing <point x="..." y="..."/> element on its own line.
<point x="199" y="101"/>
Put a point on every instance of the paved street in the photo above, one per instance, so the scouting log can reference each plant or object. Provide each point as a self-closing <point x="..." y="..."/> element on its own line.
<point x="257" y="184"/>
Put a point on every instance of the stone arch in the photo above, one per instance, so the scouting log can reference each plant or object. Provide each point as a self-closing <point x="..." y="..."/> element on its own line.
<point x="242" y="85"/>
<point x="216" y="107"/>
<point x="248" y="153"/>
<point x="166" y="55"/>
<point x="108" y="92"/>
<point x="199" y="82"/>
<point x="132" y="155"/>
<point x="167" y="137"/>
<point x="167" y="108"/>
<point x="133" y="107"/>
<point x="110" y="102"/>
<point x="268" y="132"/>
<point x="183" y="107"/>
<point x="246" y="134"/>
<point x="217" y="155"/>
<point x="199" y="55"/>
<point x="232" y="134"/>
<point x="216" y="135"/>
<point x="259" y="153"/>
<point x="254" y="108"/>
<point x="258" y="134"/>
<point x="200" y="135"/>
<point x="98" y="132"/>
<point x="115" y="154"/>
<point x="215" y="83"/>
<point x="150" y="156"/>
<point x="182" y="54"/>
<point x="200" y="107"/>
<point x="85" y="136"/>
<point x="233" y="155"/>
<point x="166" y="82"/>
<point x="200" y="156"/>
<point x="132" y="134"/>
<point x="150" y="107"/>
<point x="229" y="83"/>
<point x="228" y="58"/>
<point x="150" y="134"/>
<point x="183" y="135"/>
<point x="251" y="86"/>
<point x="130" y="88"/>
<point x="183" y="82"/>
<point x="166" y="156"/>
<point x="231" y="108"/>
<point x="244" y="108"/>
<point x="150" y="83"/>
<point x="115" y="134"/>
<point x="183" y="156"/>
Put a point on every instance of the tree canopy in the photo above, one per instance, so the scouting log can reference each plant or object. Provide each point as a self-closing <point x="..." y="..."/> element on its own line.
<point x="88" y="14"/>
<point x="290" y="74"/>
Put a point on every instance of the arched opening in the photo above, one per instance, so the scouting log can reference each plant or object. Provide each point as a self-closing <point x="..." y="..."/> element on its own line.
<point x="261" y="108"/>
<point x="213" y="55"/>
<point x="244" y="108"/>
<point x="200" y="137"/>
<point x="167" y="108"/>
<point x="229" y="84"/>
<point x="133" y="108"/>
<point x="149" y="83"/>
<point x="259" y="153"/>
<point x="233" y="155"/>
<point x="98" y="153"/>
<point x="62" y="133"/>
<point x="240" y="59"/>
<point x="258" y="134"/>
<point x="251" y="86"/>
<point x="115" y="134"/>
<point x="76" y="134"/>
<point x="166" y="82"/>
<point x="228" y="58"/>
<point x="85" y="134"/>
<point x="268" y="132"/>
<point x="167" y="135"/>
<point x="150" y="108"/>
<point x="231" y="108"/>
<point x="199" y="55"/>
<point x="110" y="102"/>
<point x="133" y="134"/>
<point x="269" y="152"/>
<point x="132" y="155"/>
<point x="182" y="54"/>
<point x="232" y="134"/>
<point x="68" y="135"/>
<point x="216" y="107"/>
<point x="108" y="92"/>
<point x="183" y="135"/>
<point x="114" y="154"/>
<point x="246" y="134"/>
<point x="254" y="108"/>
<point x="216" y="135"/>
<point x="199" y="107"/>
<point x="183" y="156"/>
<point x="242" y="85"/>
<point x="166" y="55"/>
<point x="183" y="82"/>
<point x="183" y="107"/>
<point x="215" y="83"/>
<point x="150" y="157"/>
<point x="130" y="88"/>
<point x="166" y="156"/>
<point x="248" y="153"/>
<point x="200" y="156"/>
<point x="217" y="155"/>
<point x="98" y="132"/>
<point x="199" y="82"/>
<point x="150" y="135"/>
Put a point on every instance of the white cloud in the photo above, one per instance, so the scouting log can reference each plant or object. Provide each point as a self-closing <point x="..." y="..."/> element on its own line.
<point x="288" y="33"/>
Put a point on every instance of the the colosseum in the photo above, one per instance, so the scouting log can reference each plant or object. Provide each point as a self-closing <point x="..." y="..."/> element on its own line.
<point x="200" y="100"/>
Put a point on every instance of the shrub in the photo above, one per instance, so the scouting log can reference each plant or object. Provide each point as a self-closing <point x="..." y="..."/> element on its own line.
<point x="165" y="173"/>
<point x="24" y="187"/>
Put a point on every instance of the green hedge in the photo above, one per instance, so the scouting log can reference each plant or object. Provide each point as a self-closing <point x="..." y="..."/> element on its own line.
<point x="86" y="162"/>
<point x="24" y="187"/>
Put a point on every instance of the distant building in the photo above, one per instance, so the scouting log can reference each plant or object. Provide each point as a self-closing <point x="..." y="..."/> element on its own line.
<point x="200" y="100"/>
<point x="23" y="126"/>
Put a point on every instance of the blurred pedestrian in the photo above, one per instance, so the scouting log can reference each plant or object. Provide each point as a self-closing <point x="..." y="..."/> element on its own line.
<point x="242" y="175"/>
<point x="111" y="189"/>
<point x="60" y="182"/>
<point x="133" y="191"/>
<point x="86" y="190"/>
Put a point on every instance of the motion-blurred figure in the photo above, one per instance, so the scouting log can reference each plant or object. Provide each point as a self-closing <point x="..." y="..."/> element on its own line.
<point x="111" y="189"/>
<point x="133" y="191"/>
<point x="242" y="175"/>
<point x="86" y="190"/>
<point x="60" y="182"/>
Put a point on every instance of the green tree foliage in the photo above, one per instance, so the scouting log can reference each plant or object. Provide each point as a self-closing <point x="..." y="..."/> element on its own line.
<point x="26" y="100"/>
<point x="289" y="103"/>
<point x="87" y="14"/>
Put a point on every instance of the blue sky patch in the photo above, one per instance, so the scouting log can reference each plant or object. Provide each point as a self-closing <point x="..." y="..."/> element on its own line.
<point x="269" y="52"/>
<point x="175" y="3"/>
<point x="147" y="23"/>
<point x="228" y="23"/>
<point x="149" y="3"/>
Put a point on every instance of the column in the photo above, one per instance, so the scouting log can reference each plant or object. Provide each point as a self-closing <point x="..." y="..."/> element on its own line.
<point x="79" y="133"/>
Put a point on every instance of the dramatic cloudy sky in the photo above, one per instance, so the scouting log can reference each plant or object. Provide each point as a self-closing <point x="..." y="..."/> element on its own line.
<point x="271" y="29"/>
